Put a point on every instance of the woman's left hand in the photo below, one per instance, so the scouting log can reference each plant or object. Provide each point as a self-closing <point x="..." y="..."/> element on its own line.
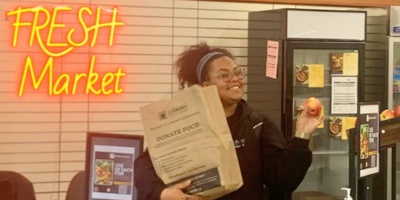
<point x="306" y="125"/>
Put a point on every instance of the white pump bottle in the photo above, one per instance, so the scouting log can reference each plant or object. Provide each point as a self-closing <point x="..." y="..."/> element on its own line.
<point x="348" y="197"/>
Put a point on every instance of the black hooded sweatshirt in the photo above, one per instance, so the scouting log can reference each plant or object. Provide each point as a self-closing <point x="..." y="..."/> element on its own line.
<point x="265" y="161"/>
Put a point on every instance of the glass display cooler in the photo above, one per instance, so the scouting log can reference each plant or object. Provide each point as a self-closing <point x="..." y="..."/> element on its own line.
<point x="394" y="72"/>
<point x="299" y="53"/>
<point x="394" y="82"/>
<point x="394" y="93"/>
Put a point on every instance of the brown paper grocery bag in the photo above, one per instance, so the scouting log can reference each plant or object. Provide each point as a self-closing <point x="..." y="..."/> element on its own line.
<point x="188" y="138"/>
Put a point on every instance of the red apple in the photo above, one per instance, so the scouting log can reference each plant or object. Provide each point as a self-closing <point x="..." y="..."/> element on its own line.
<point x="397" y="111"/>
<point x="314" y="106"/>
<point x="387" y="114"/>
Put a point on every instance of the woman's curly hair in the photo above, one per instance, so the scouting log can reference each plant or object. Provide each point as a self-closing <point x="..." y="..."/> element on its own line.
<point x="186" y="64"/>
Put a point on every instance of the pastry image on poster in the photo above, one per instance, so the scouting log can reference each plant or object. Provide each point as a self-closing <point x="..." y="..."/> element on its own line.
<point x="335" y="127"/>
<point x="104" y="172"/>
<point x="301" y="74"/>
<point x="337" y="63"/>
<point x="364" y="141"/>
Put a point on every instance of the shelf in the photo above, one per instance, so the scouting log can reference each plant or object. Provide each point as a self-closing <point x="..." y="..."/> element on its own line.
<point x="317" y="164"/>
<point x="330" y="153"/>
<point x="326" y="85"/>
<point x="390" y="132"/>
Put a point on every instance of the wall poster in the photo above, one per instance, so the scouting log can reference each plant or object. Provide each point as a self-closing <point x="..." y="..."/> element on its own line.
<point x="368" y="130"/>
<point x="110" y="165"/>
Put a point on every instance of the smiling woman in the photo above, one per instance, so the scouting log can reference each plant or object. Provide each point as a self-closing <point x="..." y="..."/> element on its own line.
<point x="266" y="154"/>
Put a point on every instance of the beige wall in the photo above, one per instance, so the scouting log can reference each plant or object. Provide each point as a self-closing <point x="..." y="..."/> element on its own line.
<point x="44" y="137"/>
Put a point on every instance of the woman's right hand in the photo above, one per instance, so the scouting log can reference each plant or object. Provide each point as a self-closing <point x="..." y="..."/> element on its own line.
<point x="306" y="124"/>
<point x="175" y="192"/>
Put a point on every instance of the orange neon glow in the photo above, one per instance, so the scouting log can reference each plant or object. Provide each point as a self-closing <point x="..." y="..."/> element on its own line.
<point x="38" y="30"/>
<point x="98" y="25"/>
<point x="53" y="25"/>
<point x="85" y="28"/>
<point x="43" y="23"/>
<point x="18" y="22"/>
<point x="109" y="82"/>
<point x="36" y="83"/>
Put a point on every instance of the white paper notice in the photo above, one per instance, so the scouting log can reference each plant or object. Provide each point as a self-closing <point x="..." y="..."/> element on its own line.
<point x="344" y="95"/>
<point x="271" y="67"/>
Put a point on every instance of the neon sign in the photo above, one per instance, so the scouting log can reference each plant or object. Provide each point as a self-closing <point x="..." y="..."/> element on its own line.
<point x="45" y="22"/>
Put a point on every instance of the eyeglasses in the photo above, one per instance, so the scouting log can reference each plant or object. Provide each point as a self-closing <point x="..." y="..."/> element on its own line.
<point x="226" y="75"/>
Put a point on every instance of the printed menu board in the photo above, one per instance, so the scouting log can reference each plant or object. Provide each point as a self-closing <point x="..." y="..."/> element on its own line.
<point x="109" y="165"/>
<point x="368" y="130"/>
<point x="113" y="172"/>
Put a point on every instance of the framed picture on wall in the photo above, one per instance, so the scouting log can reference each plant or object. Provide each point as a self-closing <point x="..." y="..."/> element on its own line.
<point x="110" y="165"/>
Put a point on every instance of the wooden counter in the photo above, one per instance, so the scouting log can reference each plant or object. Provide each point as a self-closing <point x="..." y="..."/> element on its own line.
<point x="390" y="132"/>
